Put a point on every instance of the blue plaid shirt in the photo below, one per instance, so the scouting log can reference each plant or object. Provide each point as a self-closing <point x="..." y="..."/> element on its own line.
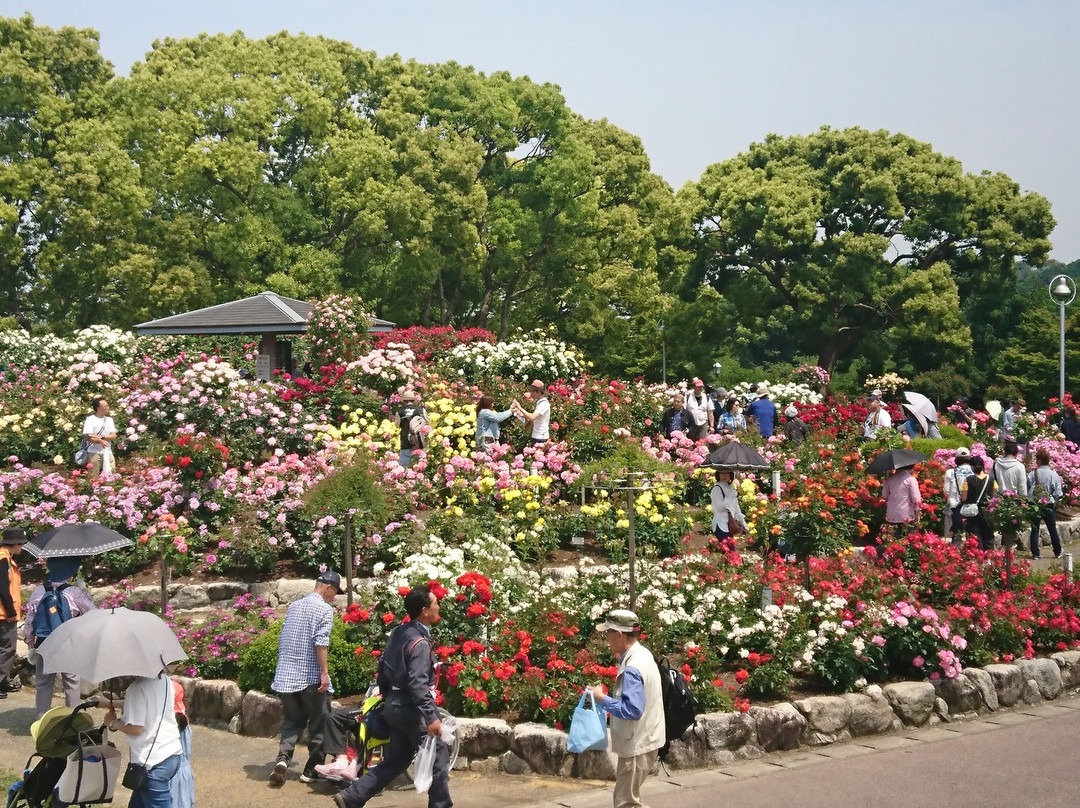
<point x="307" y="626"/>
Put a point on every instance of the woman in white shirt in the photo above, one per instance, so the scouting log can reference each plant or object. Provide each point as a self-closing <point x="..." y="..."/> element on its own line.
<point x="727" y="515"/>
<point x="149" y="722"/>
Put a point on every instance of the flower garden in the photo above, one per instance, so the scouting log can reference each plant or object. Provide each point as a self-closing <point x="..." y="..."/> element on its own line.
<point x="220" y="474"/>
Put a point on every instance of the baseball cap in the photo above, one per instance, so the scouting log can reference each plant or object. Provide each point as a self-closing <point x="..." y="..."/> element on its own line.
<point x="332" y="578"/>
<point x="791" y="412"/>
<point x="622" y="620"/>
<point x="963" y="451"/>
<point x="698" y="382"/>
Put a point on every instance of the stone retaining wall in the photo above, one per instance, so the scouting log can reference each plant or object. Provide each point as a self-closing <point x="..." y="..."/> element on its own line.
<point x="491" y="745"/>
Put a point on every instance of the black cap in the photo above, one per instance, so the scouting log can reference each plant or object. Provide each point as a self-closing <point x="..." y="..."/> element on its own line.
<point x="332" y="578"/>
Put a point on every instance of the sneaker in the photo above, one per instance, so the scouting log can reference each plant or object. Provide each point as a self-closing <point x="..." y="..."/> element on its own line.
<point x="277" y="776"/>
<point x="10" y="686"/>
<point x="310" y="775"/>
<point x="338" y="771"/>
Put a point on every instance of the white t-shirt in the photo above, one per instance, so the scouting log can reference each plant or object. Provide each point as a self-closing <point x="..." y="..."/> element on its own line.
<point x="877" y="422"/>
<point x="541" y="425"/>
<point x="96" y="425"/>
<point x="699" y="408"/>
<point x="148" y="703"/>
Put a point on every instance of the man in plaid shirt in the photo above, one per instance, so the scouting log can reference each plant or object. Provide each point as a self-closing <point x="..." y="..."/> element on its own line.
<point x="302" y="676"/>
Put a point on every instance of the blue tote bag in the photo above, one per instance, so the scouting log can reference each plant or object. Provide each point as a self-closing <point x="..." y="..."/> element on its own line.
<point x="588" y="728"/>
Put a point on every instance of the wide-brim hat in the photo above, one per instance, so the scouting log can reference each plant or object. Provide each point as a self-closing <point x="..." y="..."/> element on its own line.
<point x="408" y="395"/>
<point x="763" y="389"/>
<point x="622" y="620"/>
<point x="13" y="536"/>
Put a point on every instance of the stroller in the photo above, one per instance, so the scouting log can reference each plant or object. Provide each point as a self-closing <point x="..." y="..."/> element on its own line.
<point x="76" y="765"/>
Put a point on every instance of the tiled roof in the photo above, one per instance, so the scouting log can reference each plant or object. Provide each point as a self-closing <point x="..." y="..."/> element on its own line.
<point x="264" y="312"/>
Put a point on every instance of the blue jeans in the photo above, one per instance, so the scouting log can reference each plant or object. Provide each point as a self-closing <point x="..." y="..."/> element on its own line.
<point x="158" y="793"/>
<point x="404" y="458"/>
<point x="1050" y="517"/>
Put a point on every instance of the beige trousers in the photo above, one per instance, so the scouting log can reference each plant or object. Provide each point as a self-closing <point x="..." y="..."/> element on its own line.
<point x="630" y="773"/>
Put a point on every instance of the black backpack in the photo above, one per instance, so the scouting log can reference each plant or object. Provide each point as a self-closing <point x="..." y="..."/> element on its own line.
<point x="680" y="706"/>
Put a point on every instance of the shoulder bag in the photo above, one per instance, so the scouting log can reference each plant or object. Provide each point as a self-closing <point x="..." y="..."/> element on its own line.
<point x="136" y="775"/>
<point x="970" y="509"/>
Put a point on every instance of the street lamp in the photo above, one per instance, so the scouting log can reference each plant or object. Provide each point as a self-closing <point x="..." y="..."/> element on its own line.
<point x="1062" y="291"/>
<point x="716" y="368"/>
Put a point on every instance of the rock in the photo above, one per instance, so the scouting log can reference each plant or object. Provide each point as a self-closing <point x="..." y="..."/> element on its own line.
<point x="690" y="751"/>
<point x="1031" y="693"/>
<point x="190" y="597"/>
<point x="726" y="730"/>
<point x="98" y="594"/>
<point x="869" y="716"/>
<point x="266" y="591"/>
<point x="289" y="591"/>
<point x="911" y="701"/>
<point x="1069" y="664"/>
<point x="1008" y="682"/>
<point x="234" y="724"/>
<point x="595" y="766"/>
<point x="778" y="728"/>
<point x="941" y="712"/>
<point x="512" y="764"/>
<point x="826" y="715"/>
<point x="260" y="715"/>
<point x="150" y="594"/>
<point x="188" y="684"/>
<point x="540" y="746"/>
<point x="486" y="766"/>
<point x="960" y="694"/>
<point x="215" y="702"/>
<point x="484" y="737"/>
<point x="1045" y="672"/>
<point x="984" y="682"/>
<point x="226" y="590"/>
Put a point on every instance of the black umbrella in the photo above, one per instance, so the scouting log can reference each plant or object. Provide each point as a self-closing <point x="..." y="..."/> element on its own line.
<point x="82" y="539"/>
<point x="733" y="456"/>
<point x="895" y="459"/>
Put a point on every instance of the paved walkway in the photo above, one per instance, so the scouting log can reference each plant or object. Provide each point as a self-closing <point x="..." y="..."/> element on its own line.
<point x="1028" y="756"/>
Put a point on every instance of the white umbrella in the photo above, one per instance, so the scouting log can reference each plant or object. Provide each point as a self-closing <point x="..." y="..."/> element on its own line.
<point x="921" y="405"/>
<point x="918" y="416"/>
<point x="994" y="408"/>
<point x="106" y="643"/>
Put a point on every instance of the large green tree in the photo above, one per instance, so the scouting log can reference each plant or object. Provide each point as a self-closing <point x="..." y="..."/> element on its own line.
<point x="851" y="242"/>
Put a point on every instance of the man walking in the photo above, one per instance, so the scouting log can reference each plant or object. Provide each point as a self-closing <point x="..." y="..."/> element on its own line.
<point x="700" y="407"/>
<point x="407" y="682"/>
<point x="636" y="708"/>
<point x="410" y="408"/>
<point x="763" y="411"/>
<point x="10" y="605"/>
<point x="302" y="676"/>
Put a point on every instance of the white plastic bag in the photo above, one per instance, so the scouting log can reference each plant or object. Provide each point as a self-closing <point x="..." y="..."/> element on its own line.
<point x="449" y="728"/>
<point x="424" y="765"/>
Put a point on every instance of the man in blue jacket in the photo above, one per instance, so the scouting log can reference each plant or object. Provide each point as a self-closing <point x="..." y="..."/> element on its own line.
<point x="407" y="681"/>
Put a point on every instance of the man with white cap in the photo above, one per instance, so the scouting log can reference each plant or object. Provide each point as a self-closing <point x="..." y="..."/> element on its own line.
<point x="954" y="486"/>
<point x="700" y="407"/>
<point x="635" y="705"/>
<point x="795" y="429"/>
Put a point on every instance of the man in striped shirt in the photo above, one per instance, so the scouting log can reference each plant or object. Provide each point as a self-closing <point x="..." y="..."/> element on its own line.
<point x="302" y="676"/>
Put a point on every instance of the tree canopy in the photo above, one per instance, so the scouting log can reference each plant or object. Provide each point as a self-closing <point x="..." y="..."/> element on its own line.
<point x="223" y="165"/>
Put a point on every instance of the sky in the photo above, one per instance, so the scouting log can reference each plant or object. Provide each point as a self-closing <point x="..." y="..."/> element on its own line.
<point x="993" y="83"/>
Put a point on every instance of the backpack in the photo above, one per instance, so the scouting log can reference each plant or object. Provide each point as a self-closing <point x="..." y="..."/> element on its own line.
<point x="417" y="436"/>
<point x="52" y="610"/>
<point x="680" y="706"/>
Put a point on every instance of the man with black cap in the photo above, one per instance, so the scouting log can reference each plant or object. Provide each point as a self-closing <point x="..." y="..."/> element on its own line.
<point x="10" y="605"/>
<point x="636" y="707"/>
<point x="302" y="677"/>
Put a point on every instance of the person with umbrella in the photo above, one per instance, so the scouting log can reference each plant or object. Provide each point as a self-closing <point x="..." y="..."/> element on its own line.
<point x="10" y="605"/>
<point x="727" y="516"/>
<point x="902" y="500"/>
<point x="149" y="722"/>
<point x="52" y="604"/>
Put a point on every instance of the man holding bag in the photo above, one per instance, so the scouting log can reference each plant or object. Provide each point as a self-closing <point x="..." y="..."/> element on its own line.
<point x="406" y="679"/>
<point x="636" y="707"/>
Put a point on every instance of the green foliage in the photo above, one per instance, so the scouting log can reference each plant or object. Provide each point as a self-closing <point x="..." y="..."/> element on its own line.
<point x="258" y="660"/>
<point x="350" y="489"/>
<point x="626" y="458"/>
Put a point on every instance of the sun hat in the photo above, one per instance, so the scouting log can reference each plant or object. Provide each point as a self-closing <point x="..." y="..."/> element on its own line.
<point x="791" y="412"/>
<point x="332" y="578"/>
<point x="963" y="451"/>
<point x="62" y="568"/>
<point x="763" y="389"/>
<point x="622" y="620"/>
<point x="13" y="536"/>
<point x="408" y="395"/>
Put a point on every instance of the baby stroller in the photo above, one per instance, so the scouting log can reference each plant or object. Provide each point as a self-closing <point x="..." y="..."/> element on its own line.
<point x="76" y="765"/>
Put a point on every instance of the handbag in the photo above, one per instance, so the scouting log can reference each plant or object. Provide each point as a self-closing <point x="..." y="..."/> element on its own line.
<point x="82" y="454"/>
<point x="588" y="730"/>
<point x="89" y="775"/>
<point x="970" y="509"/>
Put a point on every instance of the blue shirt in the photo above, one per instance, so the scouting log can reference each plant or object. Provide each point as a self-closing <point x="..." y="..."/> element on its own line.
<point x="307" y="626"/>
<point x="763" y="411"/>
<point x="631" y="702"/>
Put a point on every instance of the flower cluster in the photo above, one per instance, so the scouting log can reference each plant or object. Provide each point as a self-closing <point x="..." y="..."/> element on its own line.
<point x="531" y="356"/>
<point x="889" y="384"/>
